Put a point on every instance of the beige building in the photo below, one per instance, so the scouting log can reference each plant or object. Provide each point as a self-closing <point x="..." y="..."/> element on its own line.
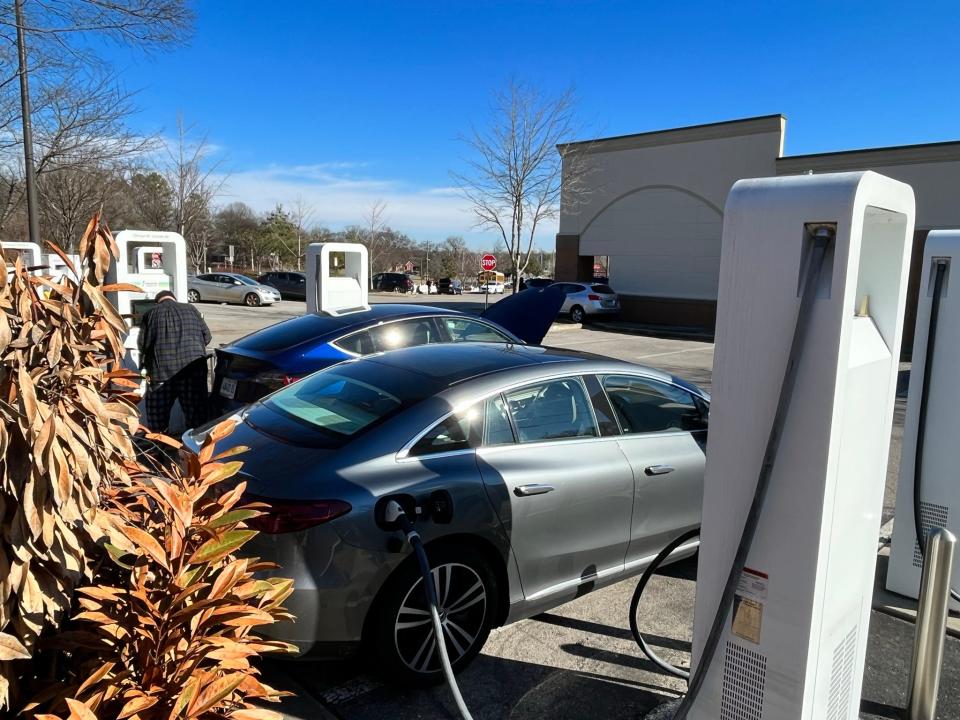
<point x="653" y="205"/>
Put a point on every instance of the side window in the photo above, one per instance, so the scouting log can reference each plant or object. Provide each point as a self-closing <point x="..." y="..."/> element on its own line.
<point x="458" y="432"/>
<point x="551" y="411"/>
<point x="497" y="429"/>
<point x="205" y="278"/>
<point x="406" y="333"/>
<point x="643" y="405"/>
<point x="359" y="343"/>
<point x="601" y="406"/>
<point x="466" y="330"/>
<point x="391" y="336"/>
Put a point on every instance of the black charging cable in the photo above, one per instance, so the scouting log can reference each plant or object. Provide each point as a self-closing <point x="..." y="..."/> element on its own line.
<point x="394" y="513"/>
<point x="941" y="266"/>
<point x="635" y="604"/>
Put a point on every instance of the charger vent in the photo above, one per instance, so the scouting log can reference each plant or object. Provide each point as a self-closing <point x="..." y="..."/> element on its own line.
<point x="744" y="680"/>
<point x="931" y="516"/>
<point x="841" y="677"/>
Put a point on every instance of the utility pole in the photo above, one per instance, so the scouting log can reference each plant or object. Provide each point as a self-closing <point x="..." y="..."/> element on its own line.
<point x="32" y="218"/>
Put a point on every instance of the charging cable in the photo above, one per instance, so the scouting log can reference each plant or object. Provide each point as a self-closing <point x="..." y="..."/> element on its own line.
<point x="394" y="513"/>
<point x="635" y="604"/>
<point x="941" y="266"/>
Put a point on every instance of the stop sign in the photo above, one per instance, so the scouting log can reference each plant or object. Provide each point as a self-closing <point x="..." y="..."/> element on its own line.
<point x="488" y="262"/>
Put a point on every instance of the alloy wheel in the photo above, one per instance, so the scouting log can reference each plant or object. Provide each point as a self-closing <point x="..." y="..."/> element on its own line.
<point x="463" y="607"/>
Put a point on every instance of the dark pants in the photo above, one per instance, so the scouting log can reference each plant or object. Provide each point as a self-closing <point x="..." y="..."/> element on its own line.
<point x="189" y="386"/>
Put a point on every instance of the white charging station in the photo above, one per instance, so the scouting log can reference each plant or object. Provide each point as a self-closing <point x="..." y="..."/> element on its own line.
<point x="28" y="252"/>
<point x="344" y="291"/>
<point x="793" y="645"/>
<point x="939" y="497"/>
<point x="58" y="268"/>
<point x="153" y="261"/>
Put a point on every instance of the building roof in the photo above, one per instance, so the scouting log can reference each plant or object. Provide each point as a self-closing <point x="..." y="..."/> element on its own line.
<point x="692" y="133"/>
<point x="871" y="157"/>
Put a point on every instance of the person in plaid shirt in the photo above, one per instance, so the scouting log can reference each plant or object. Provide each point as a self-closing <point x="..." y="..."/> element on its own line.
<point x="173" y="351"/>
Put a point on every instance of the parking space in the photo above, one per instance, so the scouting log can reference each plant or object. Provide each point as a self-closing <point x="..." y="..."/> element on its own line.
<point x="579" y="659"/>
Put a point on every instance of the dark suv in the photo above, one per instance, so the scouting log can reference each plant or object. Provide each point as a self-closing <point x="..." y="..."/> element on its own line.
<point x="449" y="286"/>
<point x="392" y="282"/>
<point x="292" y="285"/>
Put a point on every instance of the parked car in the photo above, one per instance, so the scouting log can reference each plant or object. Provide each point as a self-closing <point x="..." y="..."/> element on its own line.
<point x="281" y="354"/>
<point x="229" y="288"/>
<point x="538" y="282"/>
<point x="448" y="286"/>
<point x="566" y="472"/>
<point x="494" y="288"/>
<point x="392" y="282"/>
<point x="585" y="300"/>
<point x="292" y="285"/>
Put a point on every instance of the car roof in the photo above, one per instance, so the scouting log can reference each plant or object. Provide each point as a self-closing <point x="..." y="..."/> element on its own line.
<point x="313" y="327"/>
<point x="445" y="365"/>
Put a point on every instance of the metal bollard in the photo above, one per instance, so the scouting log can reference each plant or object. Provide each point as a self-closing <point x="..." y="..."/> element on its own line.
<point x="931" y="624"/>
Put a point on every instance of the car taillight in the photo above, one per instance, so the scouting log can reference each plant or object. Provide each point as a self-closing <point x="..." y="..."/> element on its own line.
<point x="287" y="516"/>
<point x="593" y="297"/>
<point x="275" y="380"/>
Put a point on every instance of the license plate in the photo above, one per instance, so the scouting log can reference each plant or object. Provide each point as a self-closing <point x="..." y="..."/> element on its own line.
<point x="228" y="388"/>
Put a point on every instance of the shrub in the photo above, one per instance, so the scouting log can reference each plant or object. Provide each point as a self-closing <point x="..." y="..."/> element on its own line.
<point x="66" y="419"/>
<point x="170" y="621"/>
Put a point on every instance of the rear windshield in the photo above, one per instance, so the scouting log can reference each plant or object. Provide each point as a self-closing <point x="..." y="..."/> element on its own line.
<point x="345" y="400"/>
<point x="287" y="334"/>
<point x="602" y="289"/>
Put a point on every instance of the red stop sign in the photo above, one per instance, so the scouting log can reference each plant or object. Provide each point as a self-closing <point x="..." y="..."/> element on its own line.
<point x="488" y="262"/>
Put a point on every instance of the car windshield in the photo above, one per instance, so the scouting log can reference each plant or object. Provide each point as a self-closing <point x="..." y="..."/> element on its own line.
<point x="602" y="289"/>
<point x="334" y="403"/>
<point x="244" y="279"/>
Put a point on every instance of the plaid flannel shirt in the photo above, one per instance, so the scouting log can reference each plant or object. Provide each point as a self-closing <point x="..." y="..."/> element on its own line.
<point x="172" y="335"/>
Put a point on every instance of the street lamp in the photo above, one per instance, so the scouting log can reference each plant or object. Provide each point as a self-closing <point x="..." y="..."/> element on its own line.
<point x="33" y="220"/>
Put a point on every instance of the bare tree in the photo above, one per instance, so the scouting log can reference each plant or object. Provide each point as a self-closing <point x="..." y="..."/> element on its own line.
<point x="78" y="108"/>
<point x="69" y="196"/>
<point x="79" y="126"/>
<point x="301" y="213"/>
<point x="513" y="176"/>
<point x="374" y="237"/>
<point x="193" y="181"/>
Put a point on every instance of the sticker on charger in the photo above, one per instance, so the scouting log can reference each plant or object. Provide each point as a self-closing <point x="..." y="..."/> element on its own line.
<point x="747" y="617"/>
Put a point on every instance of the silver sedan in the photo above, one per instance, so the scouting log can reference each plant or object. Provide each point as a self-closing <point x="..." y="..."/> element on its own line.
<point x="535" y="475"/>
<point x="230" y="288"/>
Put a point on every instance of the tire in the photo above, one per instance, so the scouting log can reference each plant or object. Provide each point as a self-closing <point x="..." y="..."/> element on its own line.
<point x="193" y="296"/>
<point x="408" y="655"/>
<point x="252" y="300"/>
<point x="577" y="314"/>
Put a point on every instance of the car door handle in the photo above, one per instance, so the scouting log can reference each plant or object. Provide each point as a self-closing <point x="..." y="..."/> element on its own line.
<point x="527" y="490"/>
<point x="658" y="469"/>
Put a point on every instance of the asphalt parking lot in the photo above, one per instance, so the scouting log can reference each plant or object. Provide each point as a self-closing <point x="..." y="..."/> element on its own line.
<point x="578" y="660"/>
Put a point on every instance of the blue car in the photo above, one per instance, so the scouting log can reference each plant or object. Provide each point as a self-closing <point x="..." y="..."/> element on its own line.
<point x="266" y="360"/>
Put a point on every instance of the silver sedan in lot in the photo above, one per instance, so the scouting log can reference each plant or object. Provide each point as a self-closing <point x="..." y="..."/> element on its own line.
<point x="535" y="475"/>
<point x="230" y="288"/>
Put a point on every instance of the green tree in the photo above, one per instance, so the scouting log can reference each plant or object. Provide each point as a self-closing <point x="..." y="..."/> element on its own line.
<point x="278" y="239"/>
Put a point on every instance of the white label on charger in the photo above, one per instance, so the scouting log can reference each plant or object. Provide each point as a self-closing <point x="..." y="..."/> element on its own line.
<point x="753" y="584"/>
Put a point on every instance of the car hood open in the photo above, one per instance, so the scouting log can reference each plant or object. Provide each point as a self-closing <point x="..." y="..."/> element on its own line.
<point x="528" y="314"/>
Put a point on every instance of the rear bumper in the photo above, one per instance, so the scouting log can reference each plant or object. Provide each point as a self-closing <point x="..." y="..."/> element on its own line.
<point x="591" y="309"/>
<point x="335" y="584"/>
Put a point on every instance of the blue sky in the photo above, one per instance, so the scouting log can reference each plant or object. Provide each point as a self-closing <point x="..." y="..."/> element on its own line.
<point x="344" y="103"/>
